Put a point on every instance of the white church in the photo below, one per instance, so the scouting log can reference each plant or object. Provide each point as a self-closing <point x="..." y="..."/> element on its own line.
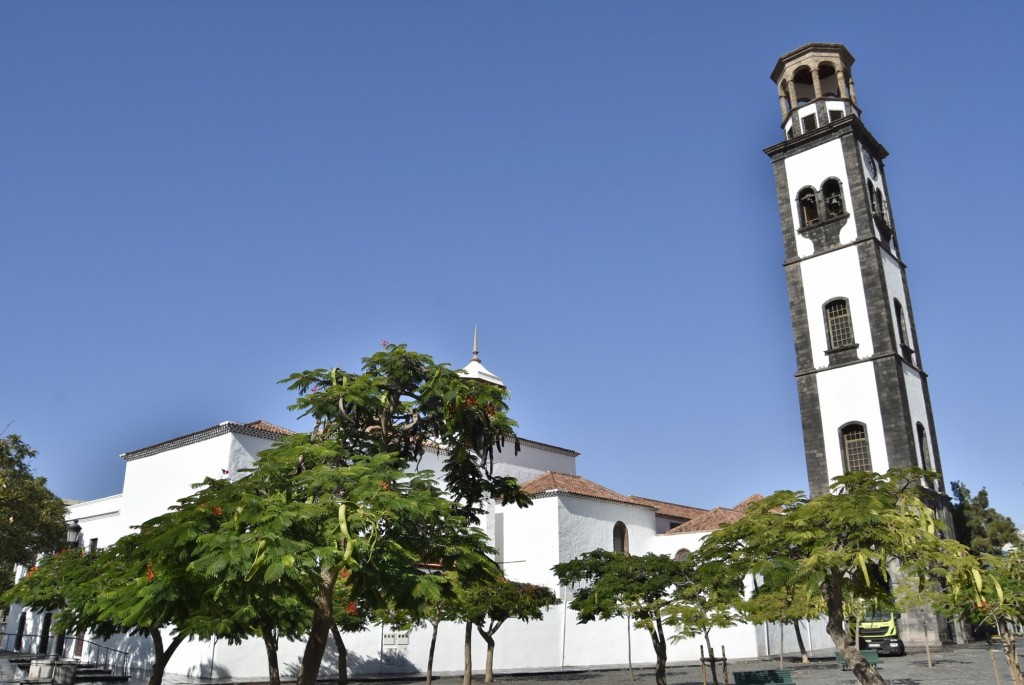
<point x="570" y="515"/>
<point x="864" y="400"/>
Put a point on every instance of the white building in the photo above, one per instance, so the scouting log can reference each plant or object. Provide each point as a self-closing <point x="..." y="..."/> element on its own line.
<point x="570" y="515"/>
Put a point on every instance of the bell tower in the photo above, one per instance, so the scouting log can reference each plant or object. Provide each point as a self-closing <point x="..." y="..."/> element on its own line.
<point x="864" y="399"/>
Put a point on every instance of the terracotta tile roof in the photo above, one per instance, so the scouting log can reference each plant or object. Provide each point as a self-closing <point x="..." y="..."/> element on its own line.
<point x="742" y="506"/>
<point x="709" y="521"/>
<point x="552" y="483"/>
<point x="677" y="511"/>
<point x="261" y="425"/>
<point x="258" y="429"/>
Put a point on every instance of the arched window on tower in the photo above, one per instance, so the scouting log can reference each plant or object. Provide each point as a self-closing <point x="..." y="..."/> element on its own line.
<point x="871" y="197"/>
<point x="901" y="330"/>
<point x="878" y="206"/>
<point x="922" y="446"/>
<point x="854" y="441"/>
<point x="807" y="201"/>
<point x="838" y="324"/>
<point x="620" y="538"/>
<point x="832" y="192"/>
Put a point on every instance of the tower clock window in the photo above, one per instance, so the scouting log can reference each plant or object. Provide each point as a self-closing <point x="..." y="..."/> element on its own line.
<point x="839" y="325"/>
<point x="856" y="455"/>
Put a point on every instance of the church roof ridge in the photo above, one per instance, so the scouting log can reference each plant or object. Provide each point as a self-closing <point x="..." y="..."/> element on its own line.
<point x="257" y="429"/>
<point x="553" y="483"/>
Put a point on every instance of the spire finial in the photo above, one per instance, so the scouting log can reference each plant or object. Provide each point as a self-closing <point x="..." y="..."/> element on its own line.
<point x="476" y="348"/>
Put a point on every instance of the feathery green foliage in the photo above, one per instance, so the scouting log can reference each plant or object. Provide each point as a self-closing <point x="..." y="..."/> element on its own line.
<point x="610" y="584"/>
<point x="841" y="546"/>
<point x="31" y="517"/>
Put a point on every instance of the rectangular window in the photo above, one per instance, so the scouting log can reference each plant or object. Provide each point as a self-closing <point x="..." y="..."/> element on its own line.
<point x="809" y="122"/>
<point x="834" y="114"/>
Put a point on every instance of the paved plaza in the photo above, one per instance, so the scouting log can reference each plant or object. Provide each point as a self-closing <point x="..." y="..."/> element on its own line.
<point x="955" y="665"/>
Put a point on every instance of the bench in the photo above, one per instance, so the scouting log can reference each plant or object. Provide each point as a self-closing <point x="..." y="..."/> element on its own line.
<point x="763" y="677"/>
<point x="870" y="656"/>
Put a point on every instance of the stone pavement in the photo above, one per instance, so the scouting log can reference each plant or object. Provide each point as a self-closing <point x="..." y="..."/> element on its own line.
<point x="960" y="665"/>
<point x="954" y="665"/>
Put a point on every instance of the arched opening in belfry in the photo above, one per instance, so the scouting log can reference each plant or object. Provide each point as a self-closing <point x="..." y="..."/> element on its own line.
<point x="829" y="80"/>
<point x="784" y="95"/>
<point x="832" y="193"/>
<point x="803" y="84"/>
<point x="807" y="201"/>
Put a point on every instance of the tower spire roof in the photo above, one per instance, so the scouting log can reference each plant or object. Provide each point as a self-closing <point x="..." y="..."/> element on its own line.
<point x="475" y="368"/>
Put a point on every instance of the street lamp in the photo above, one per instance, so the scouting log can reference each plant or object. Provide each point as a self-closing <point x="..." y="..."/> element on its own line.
<point x="57" y="645"/>
<point x="74" y="530"/>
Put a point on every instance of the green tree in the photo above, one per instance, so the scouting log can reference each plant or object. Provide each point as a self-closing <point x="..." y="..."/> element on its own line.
<point x="978" y="525"/>
<point x="846" y="541"/>
<point x="215" y="523"/>
<point x="996" y="600"/>
<point x="138" y="585"/>
<point x="488" y="605"/>
<point x="705" y="597"/>
<point x="31" y="517"/>
<point x="640" y="588"/>
<point x="351" y="487"/>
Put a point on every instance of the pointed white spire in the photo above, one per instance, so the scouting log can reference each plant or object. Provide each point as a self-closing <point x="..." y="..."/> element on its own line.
<point x="475" y="368"/>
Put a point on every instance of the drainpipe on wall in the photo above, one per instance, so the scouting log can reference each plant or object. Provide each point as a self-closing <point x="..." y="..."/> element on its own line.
<point x="565" y="612"/>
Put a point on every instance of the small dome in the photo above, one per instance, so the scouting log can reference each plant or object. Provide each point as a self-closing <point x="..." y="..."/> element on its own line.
<point x="475" y="368"/>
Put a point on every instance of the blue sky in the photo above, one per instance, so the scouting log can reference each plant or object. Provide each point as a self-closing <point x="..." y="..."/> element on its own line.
<point x="201" y="198"/>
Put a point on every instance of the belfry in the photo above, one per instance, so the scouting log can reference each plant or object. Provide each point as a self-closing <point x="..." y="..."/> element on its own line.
<point x="864" y="399"/>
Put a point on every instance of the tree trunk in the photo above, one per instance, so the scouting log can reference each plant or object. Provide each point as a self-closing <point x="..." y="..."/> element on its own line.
<point x="430" y="654"/>
<point x="488" y="637"/>
<point x="162" y="656"/>
<point x="660" y="652"/>
<point x="323" y="619"/>
<point x="831" y="591"/>
<point x="342" y="655"/>
<point x="270" y="643"/>
<point x="711" y="657"/>
<point x="1009" y="638"/>
<point x="467" y="668"/>
<point x="804" y="656"/>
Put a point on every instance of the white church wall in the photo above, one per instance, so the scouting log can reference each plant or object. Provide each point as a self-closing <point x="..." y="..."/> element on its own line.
<point x="669" y="545"/>
<point x="586" y="524"/>
<point x="812" y="168"/>
<point x="826" y="277"/>
<point x="154" y="483"/>
<point x="100" y="519"/>
<point x="849" y="394"/>
<point x="531" y="541"/>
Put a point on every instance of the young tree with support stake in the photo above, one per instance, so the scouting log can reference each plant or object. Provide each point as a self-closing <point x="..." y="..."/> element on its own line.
<point x="611" y="584"/>
<point x="489" y="605"/>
